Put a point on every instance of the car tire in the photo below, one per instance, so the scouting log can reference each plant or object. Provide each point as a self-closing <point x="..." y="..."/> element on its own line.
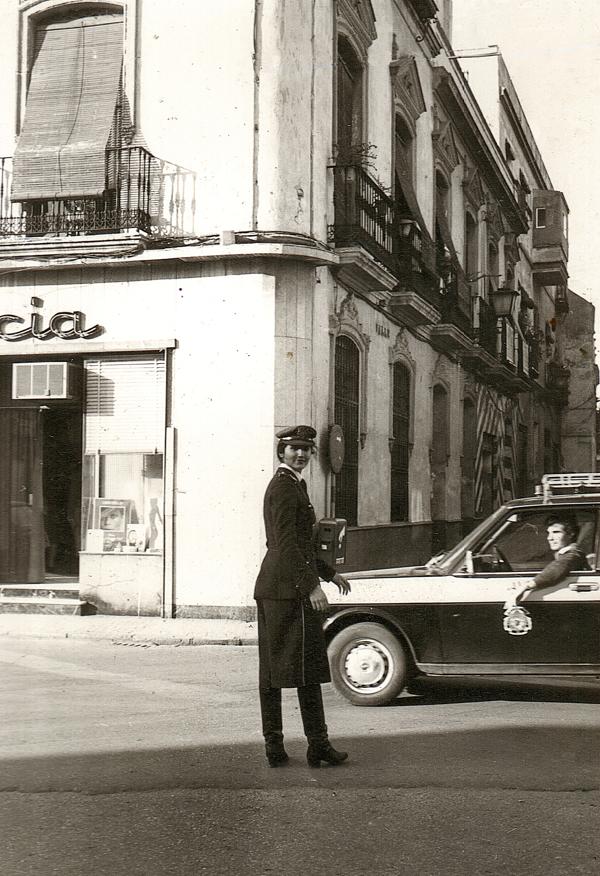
<point x="369" y="666"/>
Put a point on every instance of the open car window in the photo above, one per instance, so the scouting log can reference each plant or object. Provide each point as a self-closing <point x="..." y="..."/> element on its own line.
<point x="519" y="543"/>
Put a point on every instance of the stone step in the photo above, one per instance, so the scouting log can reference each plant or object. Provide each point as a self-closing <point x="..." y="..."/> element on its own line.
<point x="43" y="605"/>
<point x="48" y="589"/>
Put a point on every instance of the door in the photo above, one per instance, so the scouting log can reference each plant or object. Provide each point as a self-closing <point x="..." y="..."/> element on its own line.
<point x="564" y="634"/>
<point x="21" y="498"/>
<point x="62" y="489"/>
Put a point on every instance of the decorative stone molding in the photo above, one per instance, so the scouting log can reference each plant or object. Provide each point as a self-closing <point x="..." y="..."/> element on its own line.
<point x="400" y="351"/>
<point x="473" y="188"/>
<point x="406" y="87"/>
<point x="444" y="144"/>
<point x="356" y="20"/>
<point x="345" y="320"/>
<point x="494" y="220"/>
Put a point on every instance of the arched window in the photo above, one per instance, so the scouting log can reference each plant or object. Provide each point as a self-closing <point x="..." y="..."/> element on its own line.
<point x="439" y="444"/>
<point x="443" y="240"/>
<point x="471" y="248"/>
<point x="400" y="448"/>
<point x="469" y="451"/>
<point x="346" y="415"/>
<point x="349" y="99"/>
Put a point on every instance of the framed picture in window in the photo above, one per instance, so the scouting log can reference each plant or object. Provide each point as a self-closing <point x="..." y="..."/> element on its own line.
<point x="111" y="517"/>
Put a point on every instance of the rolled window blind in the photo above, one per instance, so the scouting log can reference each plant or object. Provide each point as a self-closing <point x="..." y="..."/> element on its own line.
<point x="70" y="107"/>
<point x="125" y="404"/>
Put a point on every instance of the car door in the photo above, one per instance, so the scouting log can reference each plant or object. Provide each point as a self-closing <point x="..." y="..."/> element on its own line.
<point x="563" y="624"/>
<point x="565" y="627"/>
<point x="473" y="637"/>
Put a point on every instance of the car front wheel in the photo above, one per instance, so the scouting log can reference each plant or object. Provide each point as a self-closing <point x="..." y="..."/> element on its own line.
<point x="368" y="664"/>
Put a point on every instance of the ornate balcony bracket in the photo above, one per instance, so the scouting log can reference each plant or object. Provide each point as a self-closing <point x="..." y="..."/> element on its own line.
<point x="359" y="272"/>
<point x="447" y="338"/>
<point x="414" y="310"/>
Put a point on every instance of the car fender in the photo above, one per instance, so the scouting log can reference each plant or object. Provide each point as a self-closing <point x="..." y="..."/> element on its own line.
<point x="367" y="614"/>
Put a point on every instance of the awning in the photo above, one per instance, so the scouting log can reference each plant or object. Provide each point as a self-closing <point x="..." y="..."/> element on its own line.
<point x="70" y="108"/>
<point x="405" y="178"/>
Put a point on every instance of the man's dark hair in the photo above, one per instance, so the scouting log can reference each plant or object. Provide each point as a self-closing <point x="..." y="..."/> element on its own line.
<point x="568" y="521"/>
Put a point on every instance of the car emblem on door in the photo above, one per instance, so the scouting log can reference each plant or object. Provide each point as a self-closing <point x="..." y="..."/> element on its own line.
<point x="517" y="621"/>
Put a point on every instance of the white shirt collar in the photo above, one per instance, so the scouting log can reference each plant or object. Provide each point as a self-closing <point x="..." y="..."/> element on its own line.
<point x="289" y="468"/>
<point x="567" y="547"/>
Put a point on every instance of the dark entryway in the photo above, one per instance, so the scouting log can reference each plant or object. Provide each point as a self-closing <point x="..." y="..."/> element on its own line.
<point x="62" y="490"/>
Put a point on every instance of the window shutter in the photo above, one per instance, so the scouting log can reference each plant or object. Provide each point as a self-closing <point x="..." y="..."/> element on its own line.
<point x="125" y="404"/>
<point x="70" y="107"/>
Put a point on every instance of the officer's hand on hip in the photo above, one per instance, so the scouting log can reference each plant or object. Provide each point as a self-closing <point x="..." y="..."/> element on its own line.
<point x="341" y="583"/>
<point x="318" y="599"/>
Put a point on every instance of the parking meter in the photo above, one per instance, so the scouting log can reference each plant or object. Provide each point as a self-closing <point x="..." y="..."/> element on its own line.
<point x="331" y="541"/>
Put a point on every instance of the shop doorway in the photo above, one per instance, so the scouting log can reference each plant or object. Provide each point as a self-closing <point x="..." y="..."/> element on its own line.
<point x="61" y="466"/>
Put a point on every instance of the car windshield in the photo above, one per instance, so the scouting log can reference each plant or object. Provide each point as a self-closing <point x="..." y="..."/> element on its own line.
<point x="448" y="559"/>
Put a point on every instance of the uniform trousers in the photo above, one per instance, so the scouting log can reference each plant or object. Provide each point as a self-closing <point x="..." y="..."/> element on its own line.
<point x="310" y="699"/>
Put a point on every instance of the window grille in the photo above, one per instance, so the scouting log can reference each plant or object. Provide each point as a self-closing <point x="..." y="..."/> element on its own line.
<point x="400" y="448"/>
<point x="346" y="415"/>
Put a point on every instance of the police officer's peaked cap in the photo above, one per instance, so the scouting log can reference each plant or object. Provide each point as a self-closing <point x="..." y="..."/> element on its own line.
<point x="298" y="436"/>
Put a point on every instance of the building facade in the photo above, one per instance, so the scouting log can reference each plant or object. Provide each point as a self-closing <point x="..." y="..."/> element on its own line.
<point x="212" y="227"/>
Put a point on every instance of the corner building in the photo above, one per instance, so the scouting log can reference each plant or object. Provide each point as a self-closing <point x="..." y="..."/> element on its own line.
<point x="214" y="224"/>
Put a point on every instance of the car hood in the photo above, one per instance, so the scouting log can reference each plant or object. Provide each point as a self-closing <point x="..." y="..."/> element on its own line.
<point x="399" y="572"/>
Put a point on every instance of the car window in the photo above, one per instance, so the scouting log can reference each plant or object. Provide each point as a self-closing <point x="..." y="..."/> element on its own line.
<point x="519" y="544"/>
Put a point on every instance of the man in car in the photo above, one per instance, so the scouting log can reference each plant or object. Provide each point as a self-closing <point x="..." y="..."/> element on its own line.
<point x="563" y="532"/>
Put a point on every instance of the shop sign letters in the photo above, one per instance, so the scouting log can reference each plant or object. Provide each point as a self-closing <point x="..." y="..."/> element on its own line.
<point x="67" y="325"/>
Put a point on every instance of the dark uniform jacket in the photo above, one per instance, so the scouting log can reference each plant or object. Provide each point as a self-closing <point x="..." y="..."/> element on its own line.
<point x="290" y="569"/>
<point x="564" y="564"/>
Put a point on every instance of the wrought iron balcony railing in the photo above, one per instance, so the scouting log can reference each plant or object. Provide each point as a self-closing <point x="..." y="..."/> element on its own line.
<point x="142" y="193"/>
<point x="414" y="260"/>
<point x="363" y="214"/>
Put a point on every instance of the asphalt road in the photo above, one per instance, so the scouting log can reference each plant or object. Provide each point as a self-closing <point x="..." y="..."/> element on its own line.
<point x="130" y="760"/>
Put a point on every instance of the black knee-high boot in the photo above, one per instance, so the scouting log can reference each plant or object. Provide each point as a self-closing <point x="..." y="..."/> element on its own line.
<point x="272" y="725"/>
<point x="315" y="728"/>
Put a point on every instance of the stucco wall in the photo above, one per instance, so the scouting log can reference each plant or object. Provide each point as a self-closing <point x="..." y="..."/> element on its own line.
<point x="221" y="398"/>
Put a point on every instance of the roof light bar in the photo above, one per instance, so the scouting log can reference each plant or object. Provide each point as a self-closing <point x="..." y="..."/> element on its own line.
<point x="573" y="482"/>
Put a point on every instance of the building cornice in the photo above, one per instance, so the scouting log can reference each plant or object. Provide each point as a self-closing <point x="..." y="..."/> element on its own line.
<point x="479" y="144"/>
<point x="118" y="250"/>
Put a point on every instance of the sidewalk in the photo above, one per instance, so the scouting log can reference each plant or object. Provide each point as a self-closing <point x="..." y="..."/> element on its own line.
<point x="129" y="630"/>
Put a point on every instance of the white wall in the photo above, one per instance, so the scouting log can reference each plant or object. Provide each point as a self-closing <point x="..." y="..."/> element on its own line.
<point x="221" y="396"/>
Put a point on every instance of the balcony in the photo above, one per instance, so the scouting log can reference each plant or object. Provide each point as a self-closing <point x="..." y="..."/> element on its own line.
<point x="363" y="230"/>
<point x="416" y="300"/>
<point x="455" y="332"/>
<point x="550" y="238"/>
<point x="144" y="197"/>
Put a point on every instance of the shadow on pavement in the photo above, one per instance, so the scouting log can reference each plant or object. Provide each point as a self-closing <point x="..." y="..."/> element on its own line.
<point x="430" y="691"/>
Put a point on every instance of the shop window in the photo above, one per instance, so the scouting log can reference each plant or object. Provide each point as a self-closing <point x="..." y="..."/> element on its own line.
<point x="400" y="446"/>
<point x="124" y="428"/>
<point x="346" y="415"/>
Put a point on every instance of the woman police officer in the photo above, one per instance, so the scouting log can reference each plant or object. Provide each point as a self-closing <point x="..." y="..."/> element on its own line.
<point x="291" y="644"/>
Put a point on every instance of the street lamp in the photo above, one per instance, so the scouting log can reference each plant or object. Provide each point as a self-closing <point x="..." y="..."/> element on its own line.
<point x="503" y="300"/>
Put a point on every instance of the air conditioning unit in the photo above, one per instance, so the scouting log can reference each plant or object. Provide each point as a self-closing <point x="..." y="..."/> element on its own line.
<point x="46" y="380"/>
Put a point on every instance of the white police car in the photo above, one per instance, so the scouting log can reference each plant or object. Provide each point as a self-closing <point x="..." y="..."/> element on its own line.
<point x="458" y="615"/>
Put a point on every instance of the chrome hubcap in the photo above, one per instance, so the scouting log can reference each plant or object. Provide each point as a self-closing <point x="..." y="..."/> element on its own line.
<point x="367" y="666"/>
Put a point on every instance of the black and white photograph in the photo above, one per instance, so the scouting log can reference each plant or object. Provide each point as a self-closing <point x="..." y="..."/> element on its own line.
<point x="300" y="437"/>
